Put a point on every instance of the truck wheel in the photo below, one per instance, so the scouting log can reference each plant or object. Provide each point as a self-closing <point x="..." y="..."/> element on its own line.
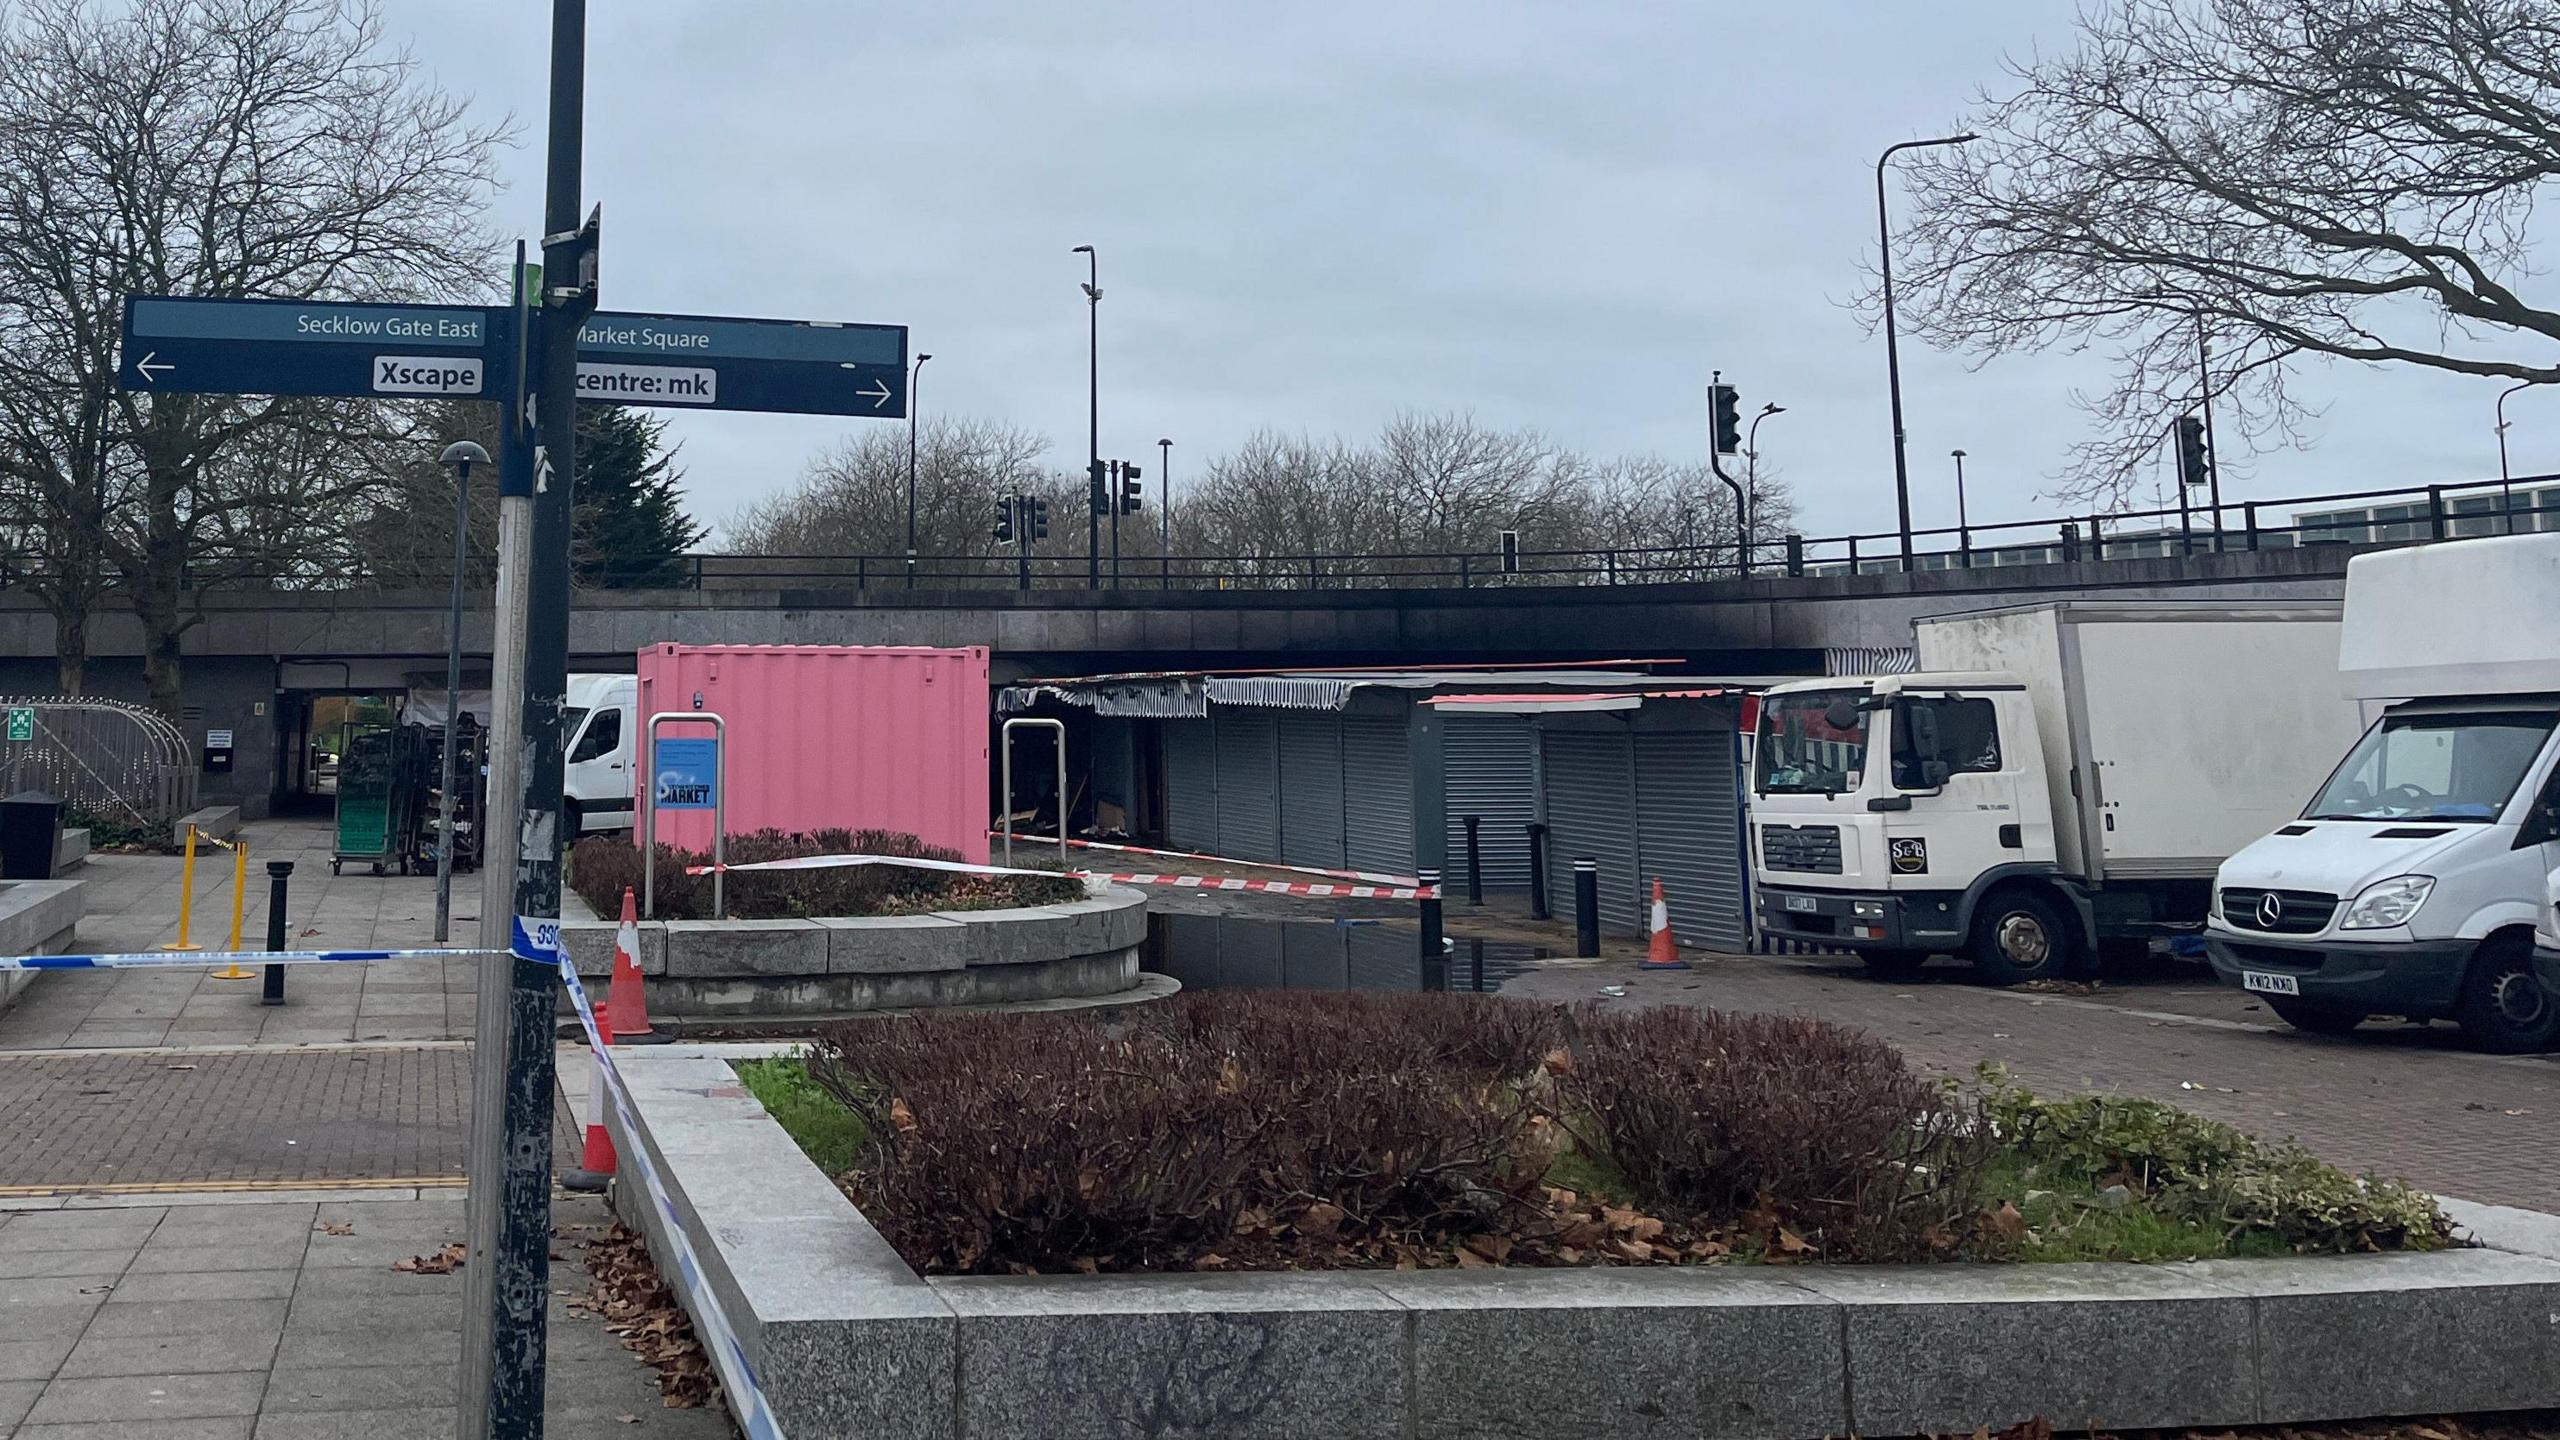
<point x="2312" y="1018"/>
<point x="1894" y="964"/>
<point x="2503" y="1009"/>
<point x="2021" y="935"/>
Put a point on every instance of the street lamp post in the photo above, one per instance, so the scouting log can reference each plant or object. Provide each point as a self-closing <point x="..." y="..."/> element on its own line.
<point x="1964" y="523"/>
<point x="461" y="455"/>
<point x="914" y="378"/>
<point x="1164" y="507"/>
<point x="2506" y="480"/>
<point x="1751" y="465"/>
<point x="1093" y="417"/>
<point x="1892" y="349"/>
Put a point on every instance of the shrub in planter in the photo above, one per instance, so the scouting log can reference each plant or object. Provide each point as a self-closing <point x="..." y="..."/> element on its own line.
<point x="600" y="867"/>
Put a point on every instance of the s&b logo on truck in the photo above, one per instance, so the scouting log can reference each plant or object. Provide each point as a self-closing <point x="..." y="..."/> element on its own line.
<point x="1910" y="857"/>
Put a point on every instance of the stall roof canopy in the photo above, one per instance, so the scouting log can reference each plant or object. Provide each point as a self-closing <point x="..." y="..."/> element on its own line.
<point x="1189" y="694"/>
<point x="1563" y="704"/>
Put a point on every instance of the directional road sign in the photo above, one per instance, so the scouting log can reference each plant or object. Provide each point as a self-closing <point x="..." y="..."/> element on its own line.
<point x="710" y="362"/>
<point x="174" y="344"/>
<point x="298" y="347"/>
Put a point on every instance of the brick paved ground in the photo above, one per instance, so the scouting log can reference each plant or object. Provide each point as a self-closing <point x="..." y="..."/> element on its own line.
<point x="275" y="1116"/>
<point x="256" y="1322"/>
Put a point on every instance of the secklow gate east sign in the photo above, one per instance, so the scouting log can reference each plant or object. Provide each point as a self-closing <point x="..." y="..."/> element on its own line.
<point x="179" y="345"/>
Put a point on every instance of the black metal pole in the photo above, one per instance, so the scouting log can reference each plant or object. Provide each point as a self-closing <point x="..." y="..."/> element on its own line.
<point x="1892" y="346"/>
<point x="1433" y="950"/>
<point x="1475" y="863"/>
<point x="915" y="382"/>
<point x="1022" y="511"/>
<point x="1113" y="494"/>
<point x="1164" y="507"/>
<point x="1586" y="907"/>
<point x="1538" y="909"/>
<point x="518" y="1272"/>
<point x="1475" y="965"/>
<point x="1093" y="419"/>
<point x="452" y="699"/>
<point x="2204" y="402"/>
<point x="271" y="984"/>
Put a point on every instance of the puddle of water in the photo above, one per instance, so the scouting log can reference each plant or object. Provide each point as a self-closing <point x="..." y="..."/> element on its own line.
<point x="1240" y="952"/>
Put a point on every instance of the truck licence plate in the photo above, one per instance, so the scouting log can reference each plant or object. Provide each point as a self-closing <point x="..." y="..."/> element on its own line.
<point x="2267" y="984"/>
<point x="1802" y="904"/>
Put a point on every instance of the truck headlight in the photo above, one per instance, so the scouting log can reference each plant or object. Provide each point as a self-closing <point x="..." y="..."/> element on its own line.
<point x="2385" y="903"/>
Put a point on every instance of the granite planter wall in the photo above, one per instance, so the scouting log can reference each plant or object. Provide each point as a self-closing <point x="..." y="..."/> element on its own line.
<point x="714" y="968"/>
<point x="37" y="917"/>
<point x="848" y="1341"/>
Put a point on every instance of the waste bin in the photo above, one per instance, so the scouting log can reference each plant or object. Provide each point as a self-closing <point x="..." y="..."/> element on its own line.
<point x="30" y="833"/>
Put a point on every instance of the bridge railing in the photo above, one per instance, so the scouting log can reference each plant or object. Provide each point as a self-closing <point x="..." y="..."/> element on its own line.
<point x="2398" y="515"/>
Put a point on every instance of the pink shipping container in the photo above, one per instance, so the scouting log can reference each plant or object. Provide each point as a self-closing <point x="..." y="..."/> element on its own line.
<point x="885" y="737"/>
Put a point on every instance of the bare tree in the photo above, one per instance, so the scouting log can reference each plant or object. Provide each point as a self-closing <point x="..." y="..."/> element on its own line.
<point x="852" y="500"/>
<point x="273" y="148"/>
<point x="2279" y="178"/>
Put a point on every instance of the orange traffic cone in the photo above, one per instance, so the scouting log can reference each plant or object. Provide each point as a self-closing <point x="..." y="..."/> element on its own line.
<point x="595" y="1167"/>
<point x="1665" y="952"/>
<point x="626" y="1005"/>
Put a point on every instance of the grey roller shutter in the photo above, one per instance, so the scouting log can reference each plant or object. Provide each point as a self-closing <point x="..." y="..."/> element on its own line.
<point x="1687" y="833"/>
<point x="1311" y="788"/>
<point x="1490" y="775"/>
<point x="1190" y="785"/>
<point x="1590" y="812"/>
<point x="1377" y="793"/>
<point x="1248" y="786"/>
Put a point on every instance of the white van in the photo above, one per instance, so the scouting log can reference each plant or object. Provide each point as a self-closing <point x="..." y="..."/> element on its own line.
<point x="2411" y="882"/>
<point x="602" y="730"/>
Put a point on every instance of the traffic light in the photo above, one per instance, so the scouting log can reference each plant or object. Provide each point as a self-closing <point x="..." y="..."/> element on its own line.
<point x="1129" y="488"/>
<point x="1724" y="407"/>
<point x="1039" y="516"/>
<point x="2195" y="463"/>
<point x="1099" y="488"/>
<point x="1004" y="522"/>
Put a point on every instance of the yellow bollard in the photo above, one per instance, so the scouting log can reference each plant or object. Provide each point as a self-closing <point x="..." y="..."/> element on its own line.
<point x="239" y="901"/>
<point x="186" y="894"/>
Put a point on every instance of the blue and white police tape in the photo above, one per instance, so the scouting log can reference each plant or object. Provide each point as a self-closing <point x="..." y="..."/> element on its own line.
<point x="747" y="1403"/>
<point x="199" y="959"/>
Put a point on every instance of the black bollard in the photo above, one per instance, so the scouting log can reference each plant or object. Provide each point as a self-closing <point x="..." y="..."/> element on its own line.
<point x="1475" y="864"/>
<point x="1432" y="951"/>
<point x="1475" y="964"/>
<point x="1538" y="873"/>
<point x="271" y="986"/>
<point x="1586" y="907"/>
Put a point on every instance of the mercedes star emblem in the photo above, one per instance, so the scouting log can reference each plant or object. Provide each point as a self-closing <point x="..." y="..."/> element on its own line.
<point x="2270" y="910"/>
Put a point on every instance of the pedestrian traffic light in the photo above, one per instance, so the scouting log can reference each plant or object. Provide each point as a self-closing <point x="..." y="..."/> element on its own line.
<point x="1004" y="522"/>
<point x="2195" y="462"/>
<point x="1129" y="488"/>
<point x="1039" y="516"/>
<point x="1724" y="406"/>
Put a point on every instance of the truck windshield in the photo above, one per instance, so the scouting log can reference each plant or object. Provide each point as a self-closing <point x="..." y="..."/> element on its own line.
<point x="1802" y="752"/>
<point x="2434" y="767"/>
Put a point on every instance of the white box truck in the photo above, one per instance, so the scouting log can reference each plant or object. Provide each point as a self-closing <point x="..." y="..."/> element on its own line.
<point x="2410" y="883"/>
<point x="2054" y="777"/>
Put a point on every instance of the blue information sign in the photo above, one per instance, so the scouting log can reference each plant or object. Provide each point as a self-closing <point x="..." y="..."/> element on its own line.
<point x="685" y="773"/>
<point x="710" y="362"/>
<point x="179" y="345"/>
<point x="297" y="347"/>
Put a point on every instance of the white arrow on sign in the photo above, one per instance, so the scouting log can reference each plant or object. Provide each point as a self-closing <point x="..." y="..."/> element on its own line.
<point x="146" y="366"/>
<point x="879" y="394"/>
<point x="541" y="470"/>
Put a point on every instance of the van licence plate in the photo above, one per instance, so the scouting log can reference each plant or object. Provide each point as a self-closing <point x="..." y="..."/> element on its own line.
<point x="2267" y="984"/>
<point x="1803" y="904"/>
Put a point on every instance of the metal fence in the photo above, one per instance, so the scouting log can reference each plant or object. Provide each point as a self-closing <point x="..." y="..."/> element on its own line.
<point x="106" y="757"/>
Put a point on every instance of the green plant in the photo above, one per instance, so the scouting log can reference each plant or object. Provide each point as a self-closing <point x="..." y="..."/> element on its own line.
<point x="827" y="1132"/>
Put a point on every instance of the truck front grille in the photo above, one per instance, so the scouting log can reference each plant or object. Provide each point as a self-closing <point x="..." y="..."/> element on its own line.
<point x="1806" y="849"/>
<point x="2293" y="912"/>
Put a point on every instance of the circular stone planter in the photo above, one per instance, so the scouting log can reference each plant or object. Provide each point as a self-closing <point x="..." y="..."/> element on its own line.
<point x="707" y="968"/>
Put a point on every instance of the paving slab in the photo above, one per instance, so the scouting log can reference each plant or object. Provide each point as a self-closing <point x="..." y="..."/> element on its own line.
<point x="130" y="1398"/>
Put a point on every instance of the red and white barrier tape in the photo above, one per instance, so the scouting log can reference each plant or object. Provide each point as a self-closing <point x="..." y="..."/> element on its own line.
<point x="1366" y="877"/>
<point x="1407" y="890"/>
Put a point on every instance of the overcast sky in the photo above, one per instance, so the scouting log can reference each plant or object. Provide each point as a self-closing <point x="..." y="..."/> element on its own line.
<point x="1315" y="215"/>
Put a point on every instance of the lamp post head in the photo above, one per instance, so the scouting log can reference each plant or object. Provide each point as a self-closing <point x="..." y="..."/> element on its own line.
<point x="462" y="455"/>
<point x="1773" y="408"/>
<point x="1959" y="454"/>
<point x="920" y="359"/>
<point x="1081" y="250"/>
<point x="1165" y="443"/>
